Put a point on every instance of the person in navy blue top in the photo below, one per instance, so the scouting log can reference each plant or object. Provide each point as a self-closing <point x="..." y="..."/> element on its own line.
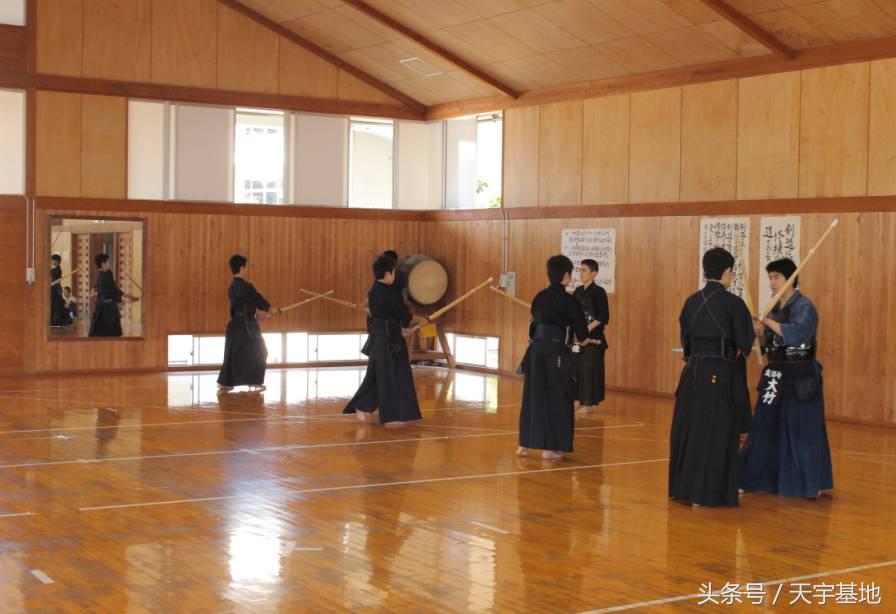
<point x="787" y="450"/>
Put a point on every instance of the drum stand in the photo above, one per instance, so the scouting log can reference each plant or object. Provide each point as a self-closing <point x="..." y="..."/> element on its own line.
<point x="422" y="346"/>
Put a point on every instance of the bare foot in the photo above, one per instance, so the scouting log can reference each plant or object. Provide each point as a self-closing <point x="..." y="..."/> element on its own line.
<point x="551" y="455"/>
<point x="521" y="451"/>
<point x="696" y="505"/>
<point x="397" y="423"/>
<point x="361" y="416"/>
<point x="224" y="388"/>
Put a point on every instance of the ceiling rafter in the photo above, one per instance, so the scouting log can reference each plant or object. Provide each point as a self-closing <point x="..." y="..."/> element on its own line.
<point x="750" y="28"/>
<point x="291" y="36"/>
<point x="375" y="14"/>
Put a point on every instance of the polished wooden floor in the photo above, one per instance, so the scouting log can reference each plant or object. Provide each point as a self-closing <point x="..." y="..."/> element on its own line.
<point x="148" y="493"/>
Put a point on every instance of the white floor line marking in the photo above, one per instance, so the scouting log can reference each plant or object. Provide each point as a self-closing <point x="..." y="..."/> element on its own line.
<point x="865" y="453"/>
<point x="821" y="574"/>
<point x="377" y="485"/>
<point x="489" y="527"/>
<point x="37" y="573"/>
<point x="60" y="437"/>
<point x="147" y="425"/>
<point x="292" y="547"/>
<point x="282" y="448"/>
<point x="876" y="461"/>
<point x="17" y="515"/>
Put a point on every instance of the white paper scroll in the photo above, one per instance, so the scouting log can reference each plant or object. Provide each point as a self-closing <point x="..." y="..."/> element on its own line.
<point x="596" y="243"/>
<point x="723" y="232"/>
<point x="779" y="237"/>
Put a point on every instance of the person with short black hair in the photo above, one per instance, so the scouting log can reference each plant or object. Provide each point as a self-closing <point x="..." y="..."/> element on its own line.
<point x="71" y="302"/>
<point x="59" y="315"/>
<point x="590" y="378"/>
<point x="245" y="353"/>
<point x="716" y="329"/>
<point x="787" y="450"/>
<point x="547" y="414"/>
<point x="106" y="320"/>
<point x="388" y="385"/>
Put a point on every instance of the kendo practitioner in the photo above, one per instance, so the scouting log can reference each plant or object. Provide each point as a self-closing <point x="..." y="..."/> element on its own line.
<point x="106" y="321"/>
<point x="787" y="450"/>
<point x="59" y="315"/>
<point x="547" y="415"/>
<point x="716" y="327"/>
<point x="590" y="361"/>
<point x="245" y="353"/>
<point x="388" y="385"/>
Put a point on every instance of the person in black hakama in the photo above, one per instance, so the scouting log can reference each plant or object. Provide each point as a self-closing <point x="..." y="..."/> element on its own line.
<point x="59" y="315"/>
<point x="716" y="327"/>
<point x="547" y="415"/>
<point x="787" y="450"/>
<point x="388" y="385"/>
<point x="245" y="354"/>
<point x="106" y="320"/>
<point x="590" y="378"/>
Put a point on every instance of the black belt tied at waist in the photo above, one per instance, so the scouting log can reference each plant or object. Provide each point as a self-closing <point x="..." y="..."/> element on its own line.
<point x="549" y="332"/>
<point x="381" y="326"/>
<point x="791" y="353"/>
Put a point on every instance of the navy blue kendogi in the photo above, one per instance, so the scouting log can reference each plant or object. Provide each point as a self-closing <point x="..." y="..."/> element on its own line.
<point x="787" y="450"/>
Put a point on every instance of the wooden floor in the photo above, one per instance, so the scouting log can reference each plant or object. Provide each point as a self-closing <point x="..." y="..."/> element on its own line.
<point x="146" y="493"/>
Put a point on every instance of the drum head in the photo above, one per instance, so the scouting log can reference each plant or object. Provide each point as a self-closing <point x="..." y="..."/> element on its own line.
<point x="427" y="282"/>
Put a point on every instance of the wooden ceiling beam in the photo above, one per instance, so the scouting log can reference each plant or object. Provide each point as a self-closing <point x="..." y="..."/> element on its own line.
<point x="750" y="28"/>
<point x="815" y="57"/>
<point x="291" y="36"/>
<point x="382" y="18"/>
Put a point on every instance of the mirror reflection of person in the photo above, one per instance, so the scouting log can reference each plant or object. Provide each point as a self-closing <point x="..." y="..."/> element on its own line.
<point x="71" y="302"/>
<point x="59" y="315"/>
<point x="106" y="320"/>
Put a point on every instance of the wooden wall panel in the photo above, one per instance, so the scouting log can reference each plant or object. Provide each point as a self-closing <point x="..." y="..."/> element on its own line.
<point x="304" y="74"/>
<point x="104" y="146"/>
<point x="187" y="278"/>
<point x="117" y="39"/>
<point x="560" y="154"/>
<point x="768" y="136"/>
<point x="834" y="131"/>
<point x="709" y="141"/>
<point x="12" y="296"/>
<point x="184" y="42"/>
<point x="605" y="150"/>
<point x="59" y="37"/>
<point x="247" y="54"/>
<point x="654" y="171"/>
<point x="882" y="129"/>
<point x="521" y="133"/>
<point x="58" y="144"/>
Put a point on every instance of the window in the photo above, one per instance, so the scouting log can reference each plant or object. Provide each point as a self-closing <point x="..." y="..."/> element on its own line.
<point x="258" y="157"/>
<point x="12" y="12"/>
<point x="12" y="142"/>
<point x="190" y="350"/>
<point x="475" y="351"/>
<point x="371" y="149"/>
<point x="489" y="161"/>
<point x="473" y="161"/>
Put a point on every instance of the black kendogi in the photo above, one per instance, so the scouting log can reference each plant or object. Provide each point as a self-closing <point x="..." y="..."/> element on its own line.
<point x="245" y="353"/>
<point x="106" y="321"/>
<point x="547" y="415"/>
<point x="715" y="327"/>
<point x="389" y="383"/>
<point x="590" y="380"/>
<point x="59" y="314"/>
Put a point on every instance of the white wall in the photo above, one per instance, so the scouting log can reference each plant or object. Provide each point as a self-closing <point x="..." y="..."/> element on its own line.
<point x="203" y="153"/>
<point x="147" y="149"/>
<point x="12" y="142"/>
<point x="320" y="160"/>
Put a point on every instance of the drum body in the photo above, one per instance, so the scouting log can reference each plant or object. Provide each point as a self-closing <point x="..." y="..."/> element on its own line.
<point x="427" y="280"/>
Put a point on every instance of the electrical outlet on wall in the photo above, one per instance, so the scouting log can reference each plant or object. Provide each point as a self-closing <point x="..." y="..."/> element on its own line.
<point x="508" y="282"/>
<point x="29" y="275"/>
